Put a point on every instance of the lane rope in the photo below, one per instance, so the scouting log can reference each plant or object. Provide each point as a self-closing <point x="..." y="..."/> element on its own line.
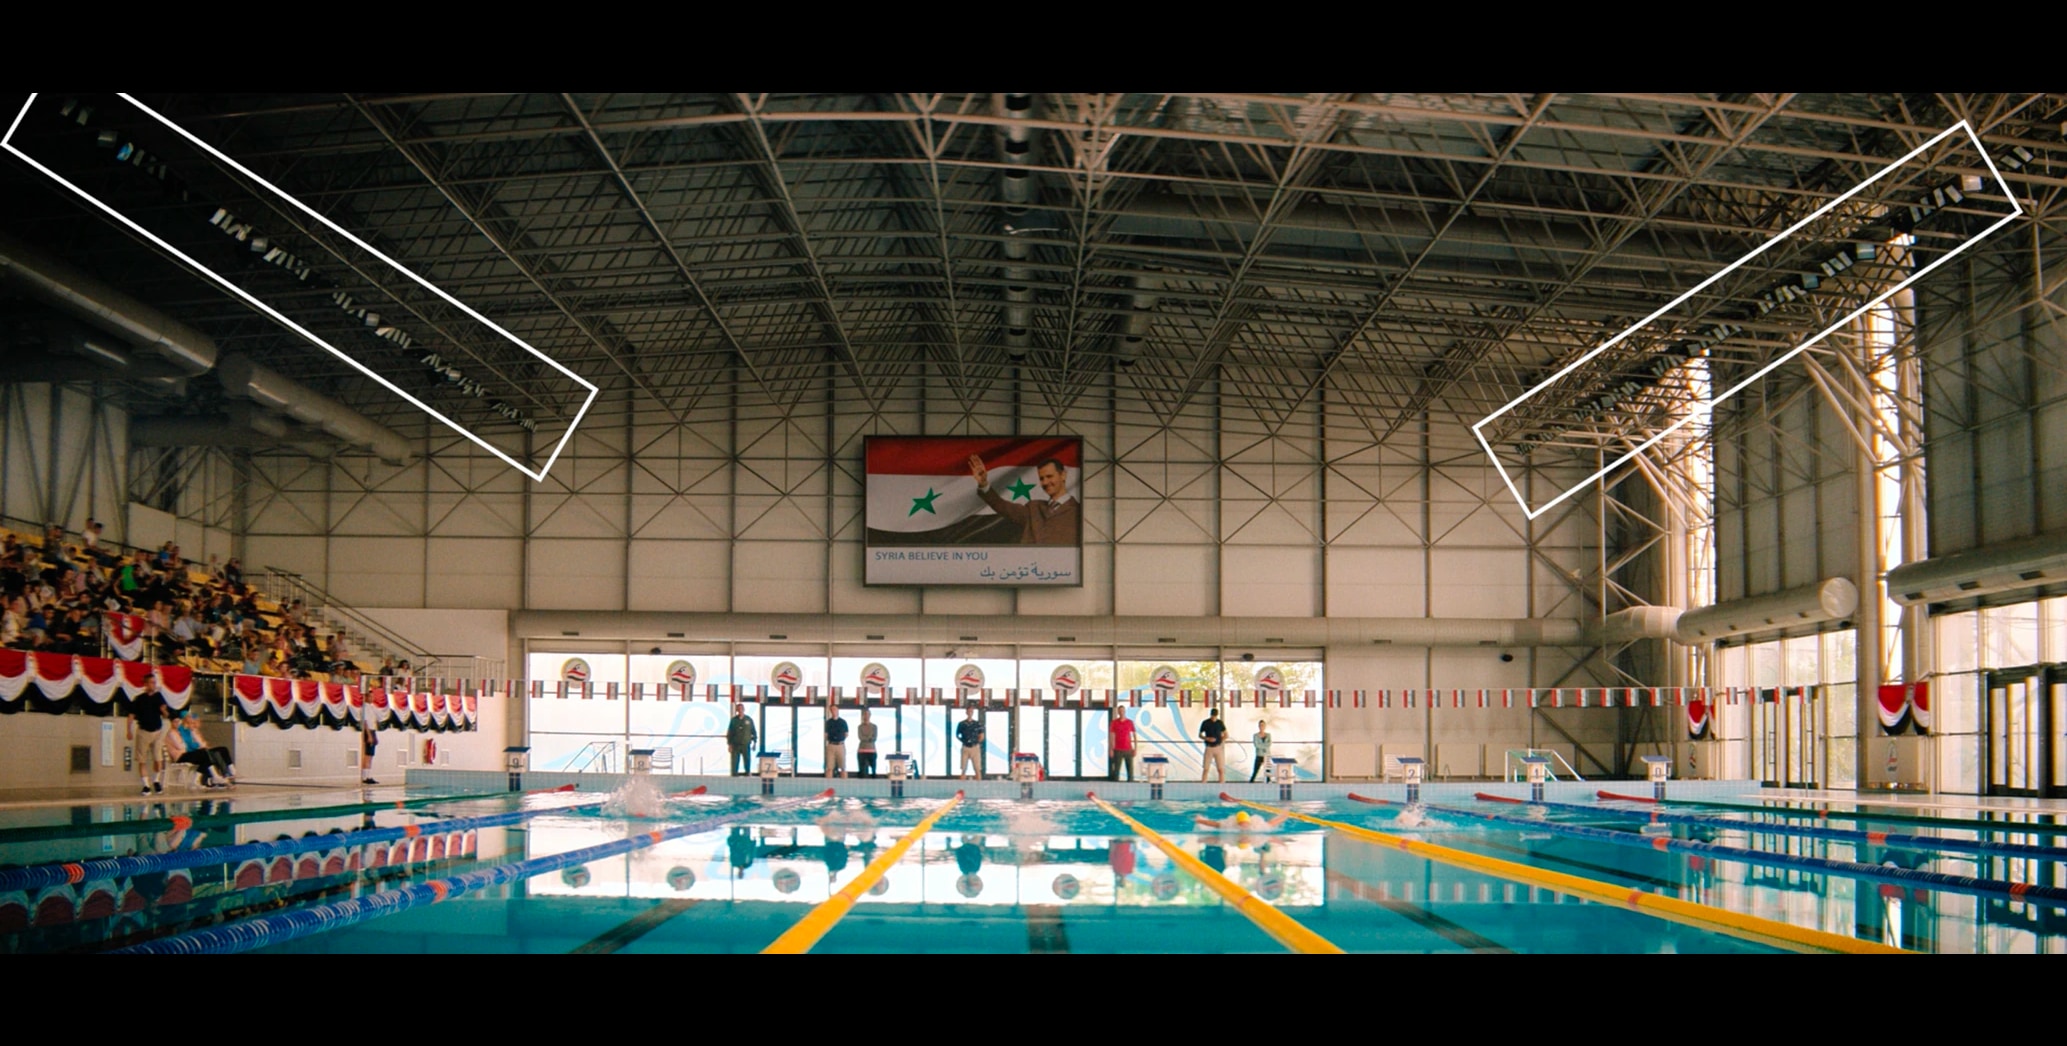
<point x="819" y="921"/>
<point x="1286" y="930"/>
<point x="286" y="926"/>
<point x="1671" y="909"/>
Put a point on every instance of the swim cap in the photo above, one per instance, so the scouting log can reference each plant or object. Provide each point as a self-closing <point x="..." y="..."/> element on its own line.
<point x="1241" y="817"/>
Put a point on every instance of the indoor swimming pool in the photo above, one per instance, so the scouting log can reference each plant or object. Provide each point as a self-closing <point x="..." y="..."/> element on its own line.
<point x="396" y="871"/>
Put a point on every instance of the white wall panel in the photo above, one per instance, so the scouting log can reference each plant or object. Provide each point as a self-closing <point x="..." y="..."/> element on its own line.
<point x="302" y="555"/>
<point x="1165" y="579"/>
<point x="785" y="577"/>
<point x="1375" y="582"/>
<point x="475" y="572"/>
<point x="371" y="571"/>
<point x="1261" y="581"/>
<point x="967" y="602"/>
<point x="680" y="575"/>
<point x="572" y="574"/>
<point x="150" y="528"/>
<point x="1478" y="583"/>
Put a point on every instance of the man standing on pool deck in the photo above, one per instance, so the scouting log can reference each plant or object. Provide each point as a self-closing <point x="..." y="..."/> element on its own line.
<point x="1212" y="732"/>
<point x="835" y="743"/>
<point x="739" y="740"/>
<point x="970" y="733"/>
<point x="1121" y="751"/>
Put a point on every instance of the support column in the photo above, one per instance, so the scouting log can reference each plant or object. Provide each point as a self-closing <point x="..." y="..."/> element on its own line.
<point x="1870" y="653"/>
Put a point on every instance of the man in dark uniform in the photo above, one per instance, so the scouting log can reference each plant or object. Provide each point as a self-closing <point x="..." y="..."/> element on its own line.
<point x="739" y="740"/>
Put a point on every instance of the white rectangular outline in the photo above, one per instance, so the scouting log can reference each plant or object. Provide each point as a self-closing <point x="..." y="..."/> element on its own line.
<point x="1477" y="430"/>
<point x="7" y="142"/>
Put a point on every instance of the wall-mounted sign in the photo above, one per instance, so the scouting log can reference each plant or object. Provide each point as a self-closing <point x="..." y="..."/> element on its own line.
<point x="968" y="677"/>
<point x="1065" y="680"/>
<point x="1270" y="680"/>
<point x="786" y="677"/>
<point x="875" y="676"/>
<point x="575" y="670"/>
<point x="1163" y="680"/>
<point x="682" y="674"/>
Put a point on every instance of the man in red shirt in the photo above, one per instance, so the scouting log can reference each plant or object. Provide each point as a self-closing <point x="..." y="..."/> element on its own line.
<point x="1122" y="749"/>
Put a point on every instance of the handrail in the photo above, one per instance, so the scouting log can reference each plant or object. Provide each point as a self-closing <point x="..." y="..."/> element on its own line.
<point x="1507" y="769"/>
<point x="317" y="596"/>
<point x="1670" y="909"/>
<point x="1288" y="931"/>
<point x="598" y="752"/>
<point x="819" y="921"/>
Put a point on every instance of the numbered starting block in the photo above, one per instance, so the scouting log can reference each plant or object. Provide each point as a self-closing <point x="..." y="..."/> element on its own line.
<point x="516" y="757"/>
<point x="1283" y="772"/>
<point x="1539" y="771"/>
<point x="771" y="767"/>
<point x="1659" y="769"/>
<point x="1411" y="769"/>
<point x="1026" y="769"/>
<point x="900" y="772"/>
<point x="1157" y="769"/>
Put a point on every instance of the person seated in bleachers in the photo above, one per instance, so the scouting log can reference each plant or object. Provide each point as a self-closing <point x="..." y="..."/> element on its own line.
<point x="14" y="622"/>
<point x="233" y="571"/>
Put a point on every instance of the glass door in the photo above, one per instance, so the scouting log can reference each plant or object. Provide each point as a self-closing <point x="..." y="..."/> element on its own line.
<point x="2055" y="735"/>
<point x="2019" y="756"/>
<point x="1786" y="734"/>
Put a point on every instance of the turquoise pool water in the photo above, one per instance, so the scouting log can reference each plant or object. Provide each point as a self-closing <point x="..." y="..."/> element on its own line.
<point x="994" y="875"/>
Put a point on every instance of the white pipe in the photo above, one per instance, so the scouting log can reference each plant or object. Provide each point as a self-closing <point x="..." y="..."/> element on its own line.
<point x="1831" y="599"/>
<point x="105" y="307"/>
<point x="2030" y="563"/>
<point x="1259" y="633"/>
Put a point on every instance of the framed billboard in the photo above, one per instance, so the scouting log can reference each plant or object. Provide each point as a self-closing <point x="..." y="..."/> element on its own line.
<point x="973" y="510"/>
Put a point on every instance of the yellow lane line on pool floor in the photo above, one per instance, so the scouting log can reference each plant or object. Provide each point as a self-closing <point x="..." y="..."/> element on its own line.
<point x="1284" y="928"/>
<point x="1672" y="909"/>
<point x="819" y="921"/>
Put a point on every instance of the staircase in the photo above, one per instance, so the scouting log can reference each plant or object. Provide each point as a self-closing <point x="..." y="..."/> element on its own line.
<point x="369" y="640"/>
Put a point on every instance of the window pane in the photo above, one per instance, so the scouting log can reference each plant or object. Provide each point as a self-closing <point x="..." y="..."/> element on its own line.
<point x="569" y="733"/>
<point x="1958" y="646"/>
<point x="2010" y="635"/>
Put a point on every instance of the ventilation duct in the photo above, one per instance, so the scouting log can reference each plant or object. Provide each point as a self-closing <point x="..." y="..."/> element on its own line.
<point x="1259" y="632"/>
<point x="188" y="351"/>
<point x="1832" y="599"/>
<point x="1134" y="329"/>
<point x="2031" y="563"/>
<point x="1015" y="146"/>
<point x="1628" y="626"/>
<point x="243" y="379"/>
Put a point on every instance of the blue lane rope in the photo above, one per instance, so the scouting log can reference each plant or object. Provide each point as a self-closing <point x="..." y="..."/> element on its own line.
<point x="1965" y="884"/>
<point x="286" y="926"/>
<point x="74" y="872"/>
<point x="1897" y="840"/>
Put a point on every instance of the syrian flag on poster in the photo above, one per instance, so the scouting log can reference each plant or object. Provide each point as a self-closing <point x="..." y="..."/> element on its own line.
<point x="928" y="523"/>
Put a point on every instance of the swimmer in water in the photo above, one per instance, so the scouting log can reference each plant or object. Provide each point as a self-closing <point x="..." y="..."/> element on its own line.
<point x="1241" y="822"/>
<point x="1413" y="816"/>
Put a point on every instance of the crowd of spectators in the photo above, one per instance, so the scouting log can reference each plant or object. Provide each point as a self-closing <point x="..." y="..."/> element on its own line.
<point x="59" y="596"/>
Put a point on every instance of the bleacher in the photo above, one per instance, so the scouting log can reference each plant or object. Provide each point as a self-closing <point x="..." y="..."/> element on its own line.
<point x="269" y="615"/>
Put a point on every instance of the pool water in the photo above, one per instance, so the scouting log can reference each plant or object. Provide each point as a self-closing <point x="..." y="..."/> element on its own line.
<point x="993" y="875"/>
